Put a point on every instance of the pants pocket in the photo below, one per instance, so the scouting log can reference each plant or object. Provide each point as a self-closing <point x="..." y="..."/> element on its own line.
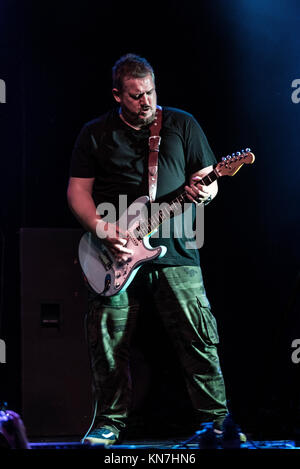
<point x="208" y="322"/>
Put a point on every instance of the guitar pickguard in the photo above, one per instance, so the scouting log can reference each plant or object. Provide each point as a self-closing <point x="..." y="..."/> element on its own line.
<point x="104" y="273"/>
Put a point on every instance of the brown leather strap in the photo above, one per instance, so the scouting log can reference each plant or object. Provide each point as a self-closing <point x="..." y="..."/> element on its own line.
<point x="154" y="142"/>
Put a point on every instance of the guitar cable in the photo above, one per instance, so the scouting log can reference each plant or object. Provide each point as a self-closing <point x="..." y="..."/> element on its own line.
<point x="93" y="420"/>
<point x="95" y="400"/>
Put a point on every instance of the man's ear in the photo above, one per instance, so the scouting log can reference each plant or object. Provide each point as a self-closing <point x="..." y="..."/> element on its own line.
<point x="116" y="94"/>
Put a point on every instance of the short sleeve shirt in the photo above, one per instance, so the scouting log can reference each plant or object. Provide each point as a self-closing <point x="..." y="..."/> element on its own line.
<point x="116" y="155"/>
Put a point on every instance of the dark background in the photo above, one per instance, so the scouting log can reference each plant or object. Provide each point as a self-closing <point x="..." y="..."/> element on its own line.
<point x="230" y="63"/>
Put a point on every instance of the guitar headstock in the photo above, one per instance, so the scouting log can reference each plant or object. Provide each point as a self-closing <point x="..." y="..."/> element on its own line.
<point x="230" y="164"/>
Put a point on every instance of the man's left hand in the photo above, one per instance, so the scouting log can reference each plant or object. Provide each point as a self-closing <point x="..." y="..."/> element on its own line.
<point x="198" y="194"/>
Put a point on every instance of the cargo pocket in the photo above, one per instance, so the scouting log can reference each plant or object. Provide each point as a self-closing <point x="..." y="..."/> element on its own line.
<point x="208" y="323"/>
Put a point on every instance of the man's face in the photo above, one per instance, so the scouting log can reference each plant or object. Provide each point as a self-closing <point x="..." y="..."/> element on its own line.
<point x="137" y="100"/>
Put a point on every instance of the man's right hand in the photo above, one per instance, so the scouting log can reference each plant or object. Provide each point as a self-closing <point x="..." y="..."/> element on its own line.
<point x="83" y="206"/>
<point x="114" y="239"/>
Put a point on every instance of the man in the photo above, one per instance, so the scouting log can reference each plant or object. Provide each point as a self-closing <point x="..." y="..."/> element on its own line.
<point x="111" y="158"/>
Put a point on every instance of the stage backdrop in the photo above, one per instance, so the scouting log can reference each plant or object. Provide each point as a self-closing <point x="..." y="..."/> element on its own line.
<point x="234" y="65"/>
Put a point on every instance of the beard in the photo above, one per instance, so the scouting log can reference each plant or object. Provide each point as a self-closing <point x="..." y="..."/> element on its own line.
<point x="136" y="119"/>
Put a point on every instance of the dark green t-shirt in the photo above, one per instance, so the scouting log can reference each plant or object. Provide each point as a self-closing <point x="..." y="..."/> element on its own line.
<point x="116" y="155"/>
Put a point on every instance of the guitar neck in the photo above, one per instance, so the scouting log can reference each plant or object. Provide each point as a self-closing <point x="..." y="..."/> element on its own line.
<point x="171" y="209"/>
<point x="229" y="166"/>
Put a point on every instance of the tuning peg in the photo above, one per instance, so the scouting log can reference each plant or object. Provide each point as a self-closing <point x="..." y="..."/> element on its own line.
<point x="248" y="150"/>
<point x="238" y="153"/>
<point x="224" y="158"/>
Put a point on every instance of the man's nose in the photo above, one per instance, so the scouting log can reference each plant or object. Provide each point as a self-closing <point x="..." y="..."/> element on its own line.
<point x="145" y="99"/>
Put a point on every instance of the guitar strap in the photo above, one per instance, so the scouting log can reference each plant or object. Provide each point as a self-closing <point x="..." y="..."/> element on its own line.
<point x="154" y="142"/>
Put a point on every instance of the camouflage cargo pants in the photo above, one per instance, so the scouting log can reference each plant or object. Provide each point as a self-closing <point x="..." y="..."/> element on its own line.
<point x="178" y="294"/>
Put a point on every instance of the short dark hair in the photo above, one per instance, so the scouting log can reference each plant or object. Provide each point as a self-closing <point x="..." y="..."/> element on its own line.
<point x="130" y="65"/>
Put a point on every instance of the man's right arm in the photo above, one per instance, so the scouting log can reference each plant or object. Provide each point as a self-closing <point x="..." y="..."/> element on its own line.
<point x="81" y="202"/>
<point x="82" y="205"/>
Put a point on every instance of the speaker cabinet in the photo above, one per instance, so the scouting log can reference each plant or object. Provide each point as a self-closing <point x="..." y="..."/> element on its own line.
<point x="56" y="380"/>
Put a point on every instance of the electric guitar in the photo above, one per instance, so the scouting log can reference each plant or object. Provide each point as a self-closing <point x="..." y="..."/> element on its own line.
<point x="104" y="273"/>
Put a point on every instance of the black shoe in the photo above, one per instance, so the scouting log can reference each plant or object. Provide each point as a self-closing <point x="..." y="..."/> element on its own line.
<point x="231" y="436"/>
<point x="208" y="438"/>
<point x="100" y="436"/>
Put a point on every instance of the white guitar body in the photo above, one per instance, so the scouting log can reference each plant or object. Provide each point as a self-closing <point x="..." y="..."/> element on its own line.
<point x="104" y="274"/>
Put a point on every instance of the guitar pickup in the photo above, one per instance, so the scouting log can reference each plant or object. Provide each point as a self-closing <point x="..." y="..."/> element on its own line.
<point x="106" y="261"/>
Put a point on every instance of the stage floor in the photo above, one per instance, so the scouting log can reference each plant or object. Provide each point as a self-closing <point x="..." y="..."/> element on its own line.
<point x="160" y="445"/>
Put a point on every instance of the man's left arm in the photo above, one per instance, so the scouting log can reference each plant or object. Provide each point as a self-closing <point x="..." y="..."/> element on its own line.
<point x="201" y="193"/>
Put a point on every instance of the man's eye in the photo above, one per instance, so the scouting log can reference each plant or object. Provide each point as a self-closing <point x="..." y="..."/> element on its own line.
<point x="135" y="96"/>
